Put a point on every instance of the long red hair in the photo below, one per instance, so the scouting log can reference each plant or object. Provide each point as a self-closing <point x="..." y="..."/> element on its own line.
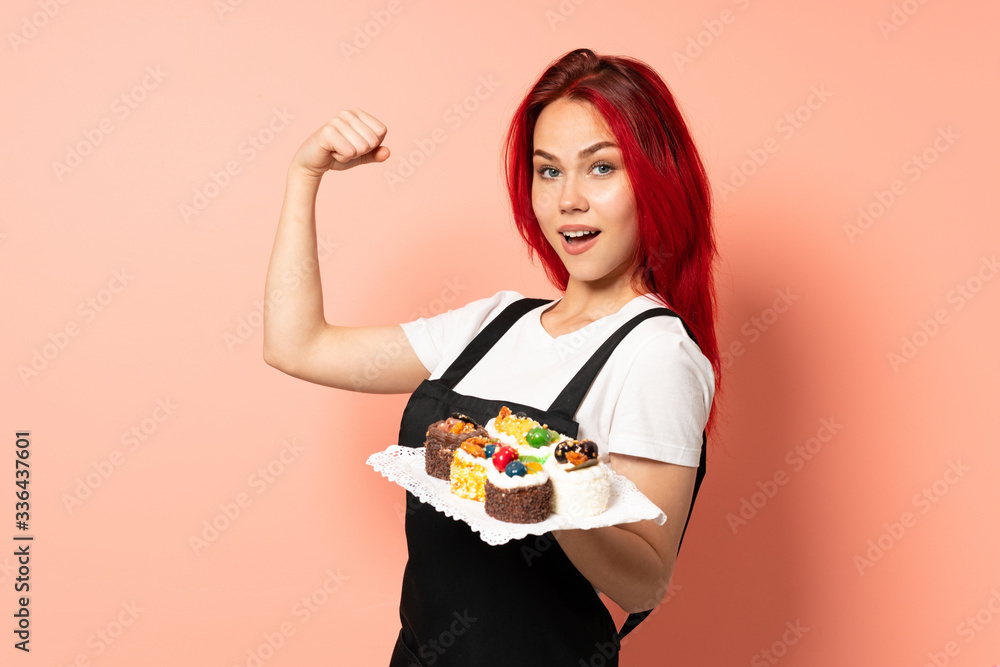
<point x="676" y="247"/>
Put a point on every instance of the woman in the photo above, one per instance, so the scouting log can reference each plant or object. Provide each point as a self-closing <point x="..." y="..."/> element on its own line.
<point x="608" y="190"/>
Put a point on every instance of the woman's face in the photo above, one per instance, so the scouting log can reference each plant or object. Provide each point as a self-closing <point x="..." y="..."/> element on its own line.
<point x="580" y="193"/>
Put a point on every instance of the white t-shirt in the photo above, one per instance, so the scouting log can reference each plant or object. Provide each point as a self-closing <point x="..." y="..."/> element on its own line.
<point x="651" y="399"/>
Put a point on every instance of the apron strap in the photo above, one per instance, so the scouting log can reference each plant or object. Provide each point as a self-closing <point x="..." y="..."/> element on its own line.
<point x="486" y="339"/>
<point x="568" y="401"/>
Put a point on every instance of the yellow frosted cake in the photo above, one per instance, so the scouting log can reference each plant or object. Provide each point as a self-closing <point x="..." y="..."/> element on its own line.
<point x="524" y="434"/>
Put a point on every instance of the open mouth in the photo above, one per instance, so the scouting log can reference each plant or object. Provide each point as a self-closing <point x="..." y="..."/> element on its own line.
<point x="573" y="238"/>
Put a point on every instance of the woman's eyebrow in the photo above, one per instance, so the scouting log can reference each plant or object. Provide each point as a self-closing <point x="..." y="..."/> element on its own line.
<point x="600" y="145"/>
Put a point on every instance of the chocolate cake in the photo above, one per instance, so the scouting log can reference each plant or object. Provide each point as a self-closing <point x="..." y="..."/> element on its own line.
<point x="443" y="438"/>
<point x="519" y="493"/>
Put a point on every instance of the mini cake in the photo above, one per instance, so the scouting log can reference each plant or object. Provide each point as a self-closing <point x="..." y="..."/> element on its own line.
<point x="524" y="434"/>
<point x="517" y="492"/>
<point x="443" y="438"/>
<point x="468" y="469"/>
<point x="580" y="482"/>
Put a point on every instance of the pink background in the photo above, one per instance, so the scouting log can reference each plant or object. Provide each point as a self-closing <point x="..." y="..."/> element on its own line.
<point x="846" y="548"/>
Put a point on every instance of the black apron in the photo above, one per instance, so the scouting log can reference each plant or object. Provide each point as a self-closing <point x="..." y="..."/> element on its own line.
<point x="465" y="603"/>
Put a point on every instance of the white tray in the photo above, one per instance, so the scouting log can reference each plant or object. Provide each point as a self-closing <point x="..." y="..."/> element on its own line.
<point x="405" y="467"/>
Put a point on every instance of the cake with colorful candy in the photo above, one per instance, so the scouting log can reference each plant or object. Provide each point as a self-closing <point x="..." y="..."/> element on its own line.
<point x="516" y="492"/>
<point x="524" y="434"/>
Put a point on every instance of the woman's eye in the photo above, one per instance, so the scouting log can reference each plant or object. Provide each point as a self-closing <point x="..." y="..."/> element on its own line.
<point x="603" y="168"/>
<point x="548" y="172"/>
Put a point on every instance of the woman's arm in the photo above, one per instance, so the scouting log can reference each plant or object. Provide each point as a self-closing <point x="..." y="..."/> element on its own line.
<point x="632" y="563"/>
<point x="297" y="338"/>
<point x="668" y="391"/>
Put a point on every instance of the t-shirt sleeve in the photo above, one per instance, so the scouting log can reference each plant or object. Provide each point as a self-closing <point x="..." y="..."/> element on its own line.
<point x="438" y="340"/>
<point x="665" y="402"/>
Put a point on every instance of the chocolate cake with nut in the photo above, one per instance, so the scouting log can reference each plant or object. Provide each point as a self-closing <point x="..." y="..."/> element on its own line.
<point x="443" y="438"/>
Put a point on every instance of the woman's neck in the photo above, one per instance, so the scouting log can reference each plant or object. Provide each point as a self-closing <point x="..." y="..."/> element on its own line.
<point x="583" y="303"/>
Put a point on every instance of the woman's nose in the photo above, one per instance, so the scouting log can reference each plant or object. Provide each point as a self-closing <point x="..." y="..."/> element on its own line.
<point x="572" y="197"/>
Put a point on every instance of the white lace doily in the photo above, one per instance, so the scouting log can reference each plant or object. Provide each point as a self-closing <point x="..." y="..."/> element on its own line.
<point x="405" y="467"/>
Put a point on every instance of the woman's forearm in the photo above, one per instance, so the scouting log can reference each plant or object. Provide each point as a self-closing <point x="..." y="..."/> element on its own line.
<point x="620" y="564"/>
<point x="632" y="563"/>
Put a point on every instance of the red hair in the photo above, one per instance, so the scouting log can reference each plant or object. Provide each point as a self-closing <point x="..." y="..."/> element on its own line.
<point x="676" y="248"/>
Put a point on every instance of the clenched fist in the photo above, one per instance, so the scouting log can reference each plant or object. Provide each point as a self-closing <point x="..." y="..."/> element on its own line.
<point x="350" y="138"/>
